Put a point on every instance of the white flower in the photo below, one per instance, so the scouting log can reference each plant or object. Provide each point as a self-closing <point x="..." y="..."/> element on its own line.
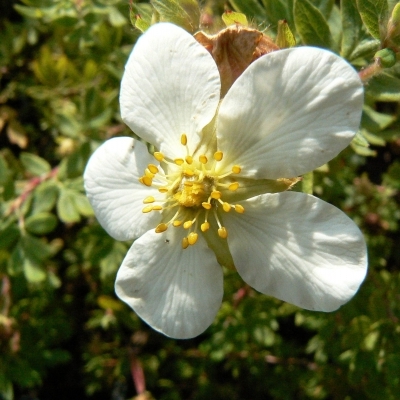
<point x="290" y="112"/>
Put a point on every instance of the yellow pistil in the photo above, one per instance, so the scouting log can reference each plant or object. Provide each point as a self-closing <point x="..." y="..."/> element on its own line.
<point x="191" y="188"/>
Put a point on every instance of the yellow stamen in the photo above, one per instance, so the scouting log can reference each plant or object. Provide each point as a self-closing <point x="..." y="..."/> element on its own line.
<point x="205" y="226"/>
<point x="192" y="238"/>
<point x="146" y="180"/>
<point x="163" y="189"/>
<point x="152" y="168"/>
<point x="161" y="228"/>
<point x="177" y="223"/>
<point x="189" y="159"/>
<point x="179" y="161"/>
<point x="218" y="155"/>
<point x="236" y="169"/>
<point x="184" y="139"/>
<point x="222" y="233"/>
<point x="207" y="206"/>
<point x="185" y="243"/>
<point x="149" y="199"/>
<point x="188" y="172"/>
<point x="203" y="159"/>
<point x="158" y="156"/>
<point x="147" y="209"/>
<point x="188" y="183"/>
<point x="157" y="208"/>
<point x="148" y="173"/>
<point x="233" y="186"/>
<point x="187" y="224"/>
<point x="226" y="207"/>
<point x="239" y="209"/>
<point x="216" y="194"/>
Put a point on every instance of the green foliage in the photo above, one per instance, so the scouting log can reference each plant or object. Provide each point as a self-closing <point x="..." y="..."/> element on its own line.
<point x="63" y="333"/>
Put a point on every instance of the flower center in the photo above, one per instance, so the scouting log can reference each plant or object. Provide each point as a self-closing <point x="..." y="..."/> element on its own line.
<point x="192" y="189"/>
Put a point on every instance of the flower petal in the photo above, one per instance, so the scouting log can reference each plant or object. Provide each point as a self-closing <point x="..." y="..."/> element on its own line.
<point x="177" y="292"/>
<point x="171" y="86"/>
<point x="290" y="112"/>
<point x="299" y="249"/>
<point x="112" y="186"/>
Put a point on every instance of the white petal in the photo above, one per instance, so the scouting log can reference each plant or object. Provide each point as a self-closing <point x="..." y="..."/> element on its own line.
<point x="171" y="86"/>
<point x="291" y="111"/>
<point x="114" y="191"/>
<point x="299" y="249"/>
<point x="177" y="292"/>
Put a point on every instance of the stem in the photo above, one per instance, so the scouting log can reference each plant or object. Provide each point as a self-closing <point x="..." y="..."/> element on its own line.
<point x="371" y="70"/>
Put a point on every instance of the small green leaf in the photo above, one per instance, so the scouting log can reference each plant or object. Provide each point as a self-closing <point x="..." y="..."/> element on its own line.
<point x="285" y="37"/>
<point x="375" y="121"/>
<point x="374" y="14"/>
<point x="41" y="223"/>
<point x="33" y="271"/>
<point x="365" y="49"/>
<point x="232" y="18"/>
<point x="384" y="87"/>
<point x="34" y="164"/>
<point x="360" y="140"/>
<point x="44" y="197"/>
<point x="141" y="16"/>
<point x="185" y="13"/>
<point x="116" y="18"/>
<point x="66" y="207"/>
<point x="311" y="24"/>
<point x="351" y="23"/>
<point x="82" y="205"/>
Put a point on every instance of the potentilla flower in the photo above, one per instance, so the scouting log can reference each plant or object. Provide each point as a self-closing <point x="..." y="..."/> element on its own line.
<point x="215" y="191"/>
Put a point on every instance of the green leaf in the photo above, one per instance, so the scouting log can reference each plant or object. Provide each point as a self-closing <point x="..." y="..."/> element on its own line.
<point x="375" y="121"/>
<point x="41" y="223"/>
<point x="351" y="23"/>
<point x="384" y="87"/>
<point x="311" y="24"/>
<point x="115" y="17"/>
<point x="141" y="16"/>
<point x="82" y="205"/>
<point x="44" y="197"/>
<point x="276" y="11"/>
<point x="66" y="207"/>
<point x="360" y="140"/>
<point x="365" y="49"/>
<point x="374" y="15"/>
<point x="34" y="164"/>
<point x="232" y="18"/>
<point x="185" y="13"/>
<point x="285" y="37"/>
<point x="33" y="271"/>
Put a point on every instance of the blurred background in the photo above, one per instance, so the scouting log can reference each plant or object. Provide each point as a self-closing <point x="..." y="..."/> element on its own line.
<point x="63" y="332"/>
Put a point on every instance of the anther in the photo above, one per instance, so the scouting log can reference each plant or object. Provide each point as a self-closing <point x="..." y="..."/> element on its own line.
<point x="218" y="155"/>
<point x="162" y="228"/>
<point x="203" y="159"/>
<point x="239" y="209"/>
<point x="177" y="223"/>
<point x="158" y="156"/>
<point x="163" y="189"/>
<point x="226" y="207"/>
<point x="222" y="232"/>
<point x="188" y="224"/>
<point x="157" y="208"/>
<point x="184" y="139"/>
<point x="192" y="238"/>
<point x="205" y="226"/>
<point x="185" y="243"/>
<point x="188" y="183"/>
<point x="233" y="186"/>
<point x="147" y="209"/>
<point x="236" y="169"/>
<point x="205" y="205"/>
<point x="188" y="172"/>
<point x="152" y="168"/>
<point x="149" y="199"/>
<point x="189" y="159"/>
<point x="215" y="194"/>
<point x="146" y="180"/>
<point x="148" y="173"/>
<point x="179" y="161"/>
